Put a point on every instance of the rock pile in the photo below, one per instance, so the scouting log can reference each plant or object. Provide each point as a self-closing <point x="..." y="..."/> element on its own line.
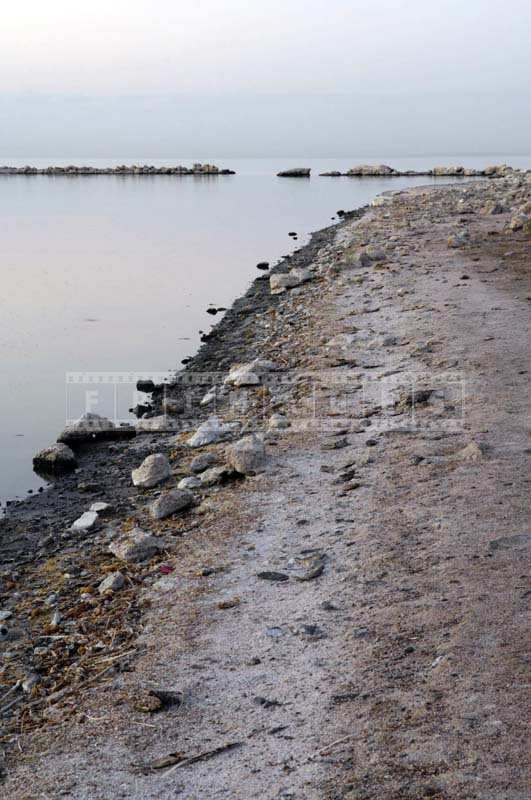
<point x="122" y="169"/>
<point x="385" y="171"/>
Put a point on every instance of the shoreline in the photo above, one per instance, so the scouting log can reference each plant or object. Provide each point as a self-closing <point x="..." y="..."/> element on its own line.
<point x="380" y="269"/>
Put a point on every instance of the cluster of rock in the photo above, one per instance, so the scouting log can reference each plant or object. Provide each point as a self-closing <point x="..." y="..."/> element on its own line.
<point x="122" y="169"/>
<point x="88" y="428"/>
<point x="385" y="171"/>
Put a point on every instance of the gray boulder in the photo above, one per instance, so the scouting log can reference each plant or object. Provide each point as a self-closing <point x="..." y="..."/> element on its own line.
<point x="202" y="462"/>
<point x="91" y="427"/>
<point x="170" y="502"/>
<point x="214" y="475"/>
<point x="153" y="470"/>
<point x="135" y="546"/>
<point x="247" y="455"/>
<point x="57" y="458"/>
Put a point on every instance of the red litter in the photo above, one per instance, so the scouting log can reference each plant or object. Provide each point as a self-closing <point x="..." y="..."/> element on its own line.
<point x="166" y="569"/>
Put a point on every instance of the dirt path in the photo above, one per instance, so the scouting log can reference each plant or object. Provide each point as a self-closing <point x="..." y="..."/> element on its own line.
<point x="397" y="667"/>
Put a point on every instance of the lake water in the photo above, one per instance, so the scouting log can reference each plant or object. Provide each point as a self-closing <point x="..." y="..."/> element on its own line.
<point x="114" y="274"/>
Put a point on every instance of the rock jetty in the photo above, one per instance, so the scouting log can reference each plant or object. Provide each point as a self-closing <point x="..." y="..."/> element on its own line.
<point x="122" y="169"/>
<point x="385" y="171"/>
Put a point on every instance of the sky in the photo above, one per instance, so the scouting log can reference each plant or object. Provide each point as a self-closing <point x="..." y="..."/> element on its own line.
<point x="245" y="77"/>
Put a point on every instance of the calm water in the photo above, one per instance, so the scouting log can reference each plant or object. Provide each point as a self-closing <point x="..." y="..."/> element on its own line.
<point x="115" y="274"/>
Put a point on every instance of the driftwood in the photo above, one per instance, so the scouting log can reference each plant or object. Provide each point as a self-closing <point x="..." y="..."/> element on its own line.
<point x="180" y="760"/>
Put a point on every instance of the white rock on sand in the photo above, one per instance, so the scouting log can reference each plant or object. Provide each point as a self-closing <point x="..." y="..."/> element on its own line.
<point x="280" y="282"/>
<point x="247" y="455"/>
<point x="249" y="374"/>
<point x="153" y="470"/>
<point x="136" y="546"/>
<point x="171" y="502"/>
<point x="86" y="521"/>
<point x="212" y="431"/>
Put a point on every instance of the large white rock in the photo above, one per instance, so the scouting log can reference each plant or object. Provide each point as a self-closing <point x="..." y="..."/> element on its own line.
<point x="249" y="374"/>
<point x="280" y="282"/>
<point x="242" y="376"/>
<point x="135" y="546"/>
<point x="170" y="502"/>
<point x="57" y="458"/>
<point x="212" y="430"/>
<point x="153" y="470"/>
<point x="91" y="427"/>
<point x="86" y="521"/>
<point x="247" y="455"/>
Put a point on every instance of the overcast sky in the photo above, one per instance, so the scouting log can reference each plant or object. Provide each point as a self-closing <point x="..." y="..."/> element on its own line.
<point x="247" y="77"/>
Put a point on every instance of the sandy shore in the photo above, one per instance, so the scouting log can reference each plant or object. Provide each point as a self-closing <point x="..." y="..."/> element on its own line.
<point x="348" y="622"/>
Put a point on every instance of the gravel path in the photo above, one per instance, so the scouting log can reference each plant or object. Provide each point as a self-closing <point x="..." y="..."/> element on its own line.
<point x="383" y="652"/>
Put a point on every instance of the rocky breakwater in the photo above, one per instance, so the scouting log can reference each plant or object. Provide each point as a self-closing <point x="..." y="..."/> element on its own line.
<point x="385" y="171"/>
<point x="122" y="169"/>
